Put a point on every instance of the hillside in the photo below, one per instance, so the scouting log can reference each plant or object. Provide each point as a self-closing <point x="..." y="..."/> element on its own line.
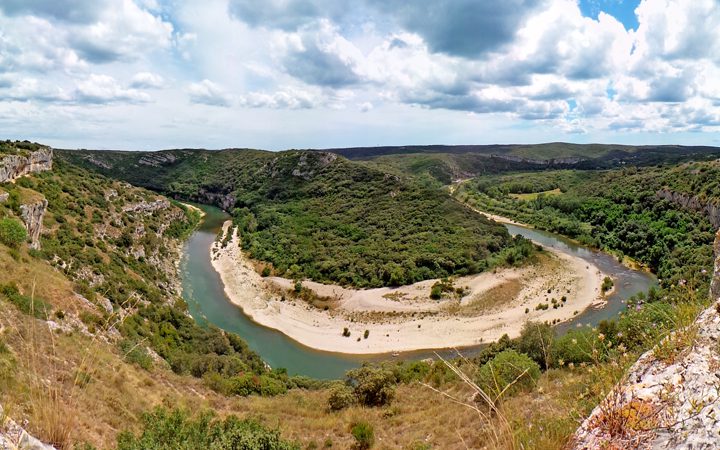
<point x="448" y="163"/>
<point x="319" y="216"/>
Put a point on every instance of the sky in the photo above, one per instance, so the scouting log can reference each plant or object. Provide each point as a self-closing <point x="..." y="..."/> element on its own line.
<point x="279" y="74"/>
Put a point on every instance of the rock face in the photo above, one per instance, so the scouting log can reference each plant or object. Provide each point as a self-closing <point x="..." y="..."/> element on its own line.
<point x="147" y="207"/>
<point x="14" y="437"/>
<point x="13" y="167"/>
<point x="673" y="405"/>
<point x="32" y="215"/>
<point x="693" y="203"/>
<point x="569" y="161"/>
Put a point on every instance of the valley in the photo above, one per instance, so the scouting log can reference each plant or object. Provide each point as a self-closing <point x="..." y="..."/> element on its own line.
<point x="225" y="310"/>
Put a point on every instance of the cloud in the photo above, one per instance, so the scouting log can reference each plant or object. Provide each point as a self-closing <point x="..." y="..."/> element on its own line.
<point x="103" y="89"/>
<point x="31" y="89"/>
<point x="208" y="93"/>
<point x="320" y="56"/>
<point x="73" y="11"/>
<point x="284" y="14"/>
<point x="147" y="80"/>
<point x="283" y="99"/>
<point x="467" y="28"/>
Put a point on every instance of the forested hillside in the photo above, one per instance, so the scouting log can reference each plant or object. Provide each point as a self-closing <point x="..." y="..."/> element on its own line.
<point x="448" y="163"/>
<point x="620" y="211"/>
<point x="317" y="215"/>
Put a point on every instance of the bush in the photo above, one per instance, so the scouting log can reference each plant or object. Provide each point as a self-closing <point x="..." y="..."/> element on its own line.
<point x="364" y="435"/>
<point x="576" y="346"/>
<point x="372" y="386"/>
<point x="165" y="430"/>
<point x="508" y="373"/>
<point x="536" y="340"/>
<point x="12" y="232"/>
<point x="341" y="396"/>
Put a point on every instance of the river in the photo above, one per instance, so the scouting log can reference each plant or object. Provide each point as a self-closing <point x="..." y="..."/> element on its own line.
<point x="205" y="296"/>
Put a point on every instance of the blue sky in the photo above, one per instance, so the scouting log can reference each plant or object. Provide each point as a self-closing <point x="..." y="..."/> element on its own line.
<point x="277" y="74"/>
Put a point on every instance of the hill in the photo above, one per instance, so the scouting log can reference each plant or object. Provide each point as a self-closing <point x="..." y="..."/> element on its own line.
<point x="447" y="163"/>
<point x="316" y="215"/>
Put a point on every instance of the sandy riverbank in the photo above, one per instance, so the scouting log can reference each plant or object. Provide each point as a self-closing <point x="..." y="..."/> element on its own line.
<point x="405" y="319"/>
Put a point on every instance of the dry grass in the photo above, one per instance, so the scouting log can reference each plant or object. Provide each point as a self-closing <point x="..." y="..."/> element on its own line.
<point x="533" y="195"/>
<point x="488" y="301"/>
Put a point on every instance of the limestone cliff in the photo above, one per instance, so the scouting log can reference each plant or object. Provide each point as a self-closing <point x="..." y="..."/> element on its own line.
<point x="693" y="203"/>
<point x="14" y="166"/>
<point x="32" y="215"/>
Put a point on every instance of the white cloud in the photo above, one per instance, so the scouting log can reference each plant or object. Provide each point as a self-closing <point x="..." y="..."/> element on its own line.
<point x="105" y="89"/>
<point x="208" y="93"/>
<point x="147" y="80"/>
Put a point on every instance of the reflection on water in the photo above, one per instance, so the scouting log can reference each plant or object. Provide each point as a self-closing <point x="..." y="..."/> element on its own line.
<point x="207" y="303"/>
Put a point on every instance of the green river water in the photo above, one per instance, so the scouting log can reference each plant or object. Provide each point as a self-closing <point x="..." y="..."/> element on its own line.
<point x="203" y="291"/>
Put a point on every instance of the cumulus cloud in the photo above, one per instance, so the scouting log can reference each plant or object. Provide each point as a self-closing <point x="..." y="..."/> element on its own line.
<point x="73" y="11"/>
<point x="208" y="93"/>
<point x="106" y="89"/>
<point x="147" y="80"/>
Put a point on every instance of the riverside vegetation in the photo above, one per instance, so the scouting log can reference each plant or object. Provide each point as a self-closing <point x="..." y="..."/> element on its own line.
<point x="125" y="356"/>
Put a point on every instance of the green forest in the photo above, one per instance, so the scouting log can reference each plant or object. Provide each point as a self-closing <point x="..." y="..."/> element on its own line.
<point x="319" y="216"/>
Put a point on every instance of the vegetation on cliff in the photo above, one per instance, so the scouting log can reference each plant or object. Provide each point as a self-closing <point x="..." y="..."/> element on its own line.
<point x="315" y="215"/>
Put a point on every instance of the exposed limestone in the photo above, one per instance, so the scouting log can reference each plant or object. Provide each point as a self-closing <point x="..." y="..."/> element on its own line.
<point x="14" y="437"/>
<point x="32" y="215"/>
<point x="675" y="405"/>
<point x="569" y="161"/>
<point x="146" y="207"/>
<point x="4" y="196"/>
<point x="309" y="163"/>
<point x="222" y="200"/>
<point x="693" y="203"/>
<point x="157" y="159"/>
<point x="13" y="167"/>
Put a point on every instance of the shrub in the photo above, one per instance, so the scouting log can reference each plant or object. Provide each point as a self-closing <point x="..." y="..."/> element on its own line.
<point x="346" y="332"/>
<point x="607" y="284"/>
<point x="341" y="396"/>
<point x="372" y="386"/>
<point x="12" y="232"/>
<point x="364" y="435"/>
<point x="576" y="346"/>
<point x="163" y="429"/>
<point x="536" y="341"/>
<point x="508" y="373"/>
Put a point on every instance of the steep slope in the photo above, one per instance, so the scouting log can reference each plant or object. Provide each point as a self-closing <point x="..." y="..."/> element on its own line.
<point x="320" y="216"/>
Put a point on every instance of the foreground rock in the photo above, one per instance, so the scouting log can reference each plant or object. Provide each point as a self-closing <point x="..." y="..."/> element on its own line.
<point x="14" y="437"/>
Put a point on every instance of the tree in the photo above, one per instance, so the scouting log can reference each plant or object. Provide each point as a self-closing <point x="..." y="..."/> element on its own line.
<point x="12" y="232"/>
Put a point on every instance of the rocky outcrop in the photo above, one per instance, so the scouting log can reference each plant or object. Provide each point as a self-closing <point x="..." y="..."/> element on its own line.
<point x="221" y="200"/>
<point x="309" y="163"/>
<point x="569" y="161"/>
<point x="693" y="203"/>
<point x="146" y="207"/>
<point x="32" y="215"/>
<point x="157" y="159"/>
<point x="15" y="166"/>
<point x="666" y="405"/>
<point x="14" y="437"/>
